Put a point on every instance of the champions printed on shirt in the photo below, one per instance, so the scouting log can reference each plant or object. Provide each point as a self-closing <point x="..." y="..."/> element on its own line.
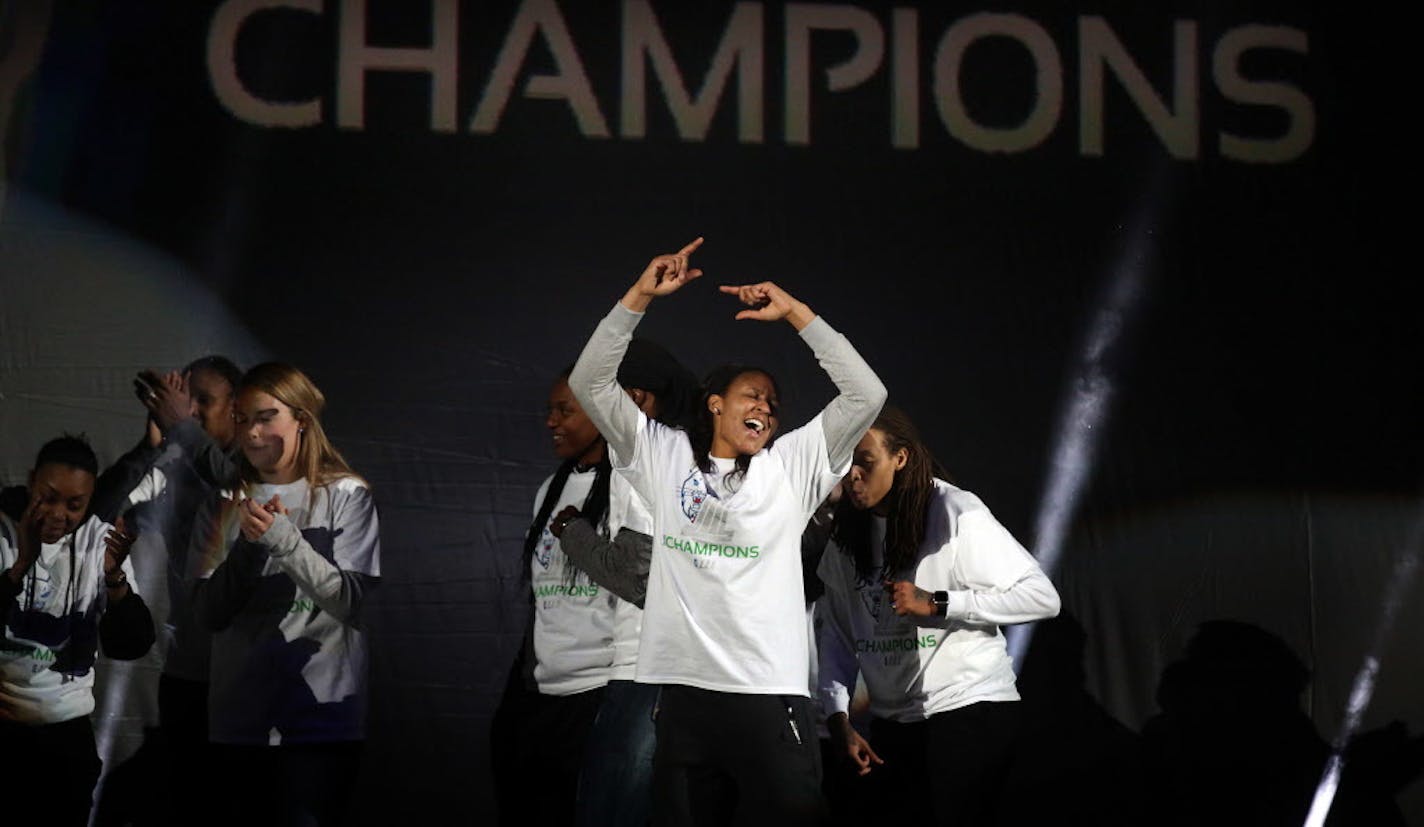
<point x="707" y="535"/>
<point x="544" y="556"/>
<point x="893" y="635"/>
<point x="574" y="618"/>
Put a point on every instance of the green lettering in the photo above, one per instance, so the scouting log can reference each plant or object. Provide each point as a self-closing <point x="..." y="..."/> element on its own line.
<point x="698" y="548"/>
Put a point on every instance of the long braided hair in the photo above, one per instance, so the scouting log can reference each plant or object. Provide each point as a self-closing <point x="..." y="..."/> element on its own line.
<point x="592" y="510"/>
<point x="908" y="501"/>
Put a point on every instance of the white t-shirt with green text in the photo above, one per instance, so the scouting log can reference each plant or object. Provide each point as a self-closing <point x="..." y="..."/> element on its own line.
<point x="725" y="609"/>
<point x="573" y="616"/>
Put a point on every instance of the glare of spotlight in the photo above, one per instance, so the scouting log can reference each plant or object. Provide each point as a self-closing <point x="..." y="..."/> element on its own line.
<point x="1085" y="412"/>
<point x="1405" y="569"/>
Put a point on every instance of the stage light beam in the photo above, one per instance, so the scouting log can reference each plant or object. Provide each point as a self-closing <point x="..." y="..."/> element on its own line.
<point x="1085" y="410"/>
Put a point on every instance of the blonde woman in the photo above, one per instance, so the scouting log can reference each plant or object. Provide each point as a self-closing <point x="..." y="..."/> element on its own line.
<point x="295" y="553"/>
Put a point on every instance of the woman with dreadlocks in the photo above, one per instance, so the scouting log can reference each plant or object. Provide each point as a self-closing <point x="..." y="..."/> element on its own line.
<point x="919" y="579"/>
<point x="724" y="631"/>
<point x="557" y="683"/>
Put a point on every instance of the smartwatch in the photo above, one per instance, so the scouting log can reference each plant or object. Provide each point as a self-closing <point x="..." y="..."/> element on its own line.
<point x="940" y="600"/>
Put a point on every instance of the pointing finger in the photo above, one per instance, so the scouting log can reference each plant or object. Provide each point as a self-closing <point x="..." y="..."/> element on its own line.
<point x="690" y="248"/>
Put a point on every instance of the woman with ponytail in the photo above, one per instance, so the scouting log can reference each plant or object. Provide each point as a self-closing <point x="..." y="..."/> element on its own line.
<point x="283" y="569"/>
<point x="553" y="694"/>
<point x="725" y="632"/>
<point x="919" y="578"/>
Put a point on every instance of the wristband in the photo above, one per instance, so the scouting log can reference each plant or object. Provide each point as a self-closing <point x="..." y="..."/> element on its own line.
<point x="940" y="600"/>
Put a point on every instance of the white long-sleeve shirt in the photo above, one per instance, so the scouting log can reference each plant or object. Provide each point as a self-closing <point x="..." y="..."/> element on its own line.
<point x="913" y="666"/>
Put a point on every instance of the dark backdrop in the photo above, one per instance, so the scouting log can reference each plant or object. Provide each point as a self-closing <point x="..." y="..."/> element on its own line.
<point x="1229" y="344"/>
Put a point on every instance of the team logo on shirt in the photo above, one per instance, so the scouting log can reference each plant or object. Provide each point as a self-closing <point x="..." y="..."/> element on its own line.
<point x="44" y="584"/>
<point x="872" y="594"/>
<point x="692" y="495"/>
<point x="544" y="552"/>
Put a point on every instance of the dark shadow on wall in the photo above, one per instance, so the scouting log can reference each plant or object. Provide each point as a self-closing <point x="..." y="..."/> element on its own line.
<point x="1076" y="763"/>
<point x="1232" y="746"/>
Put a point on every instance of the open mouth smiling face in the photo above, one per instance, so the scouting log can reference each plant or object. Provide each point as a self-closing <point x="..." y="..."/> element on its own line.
<point x="748" y="413"/>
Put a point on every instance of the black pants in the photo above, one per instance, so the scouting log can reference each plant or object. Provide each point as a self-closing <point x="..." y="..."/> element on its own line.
<point x="183" y="724"/>
<point x="290" y="785"/>
<point x="48" y="772"/>
<point x="949" y="769"/>
<point x="171" y="776"/>
<point x="736" y="759"/>
<point x="537" y="745"/>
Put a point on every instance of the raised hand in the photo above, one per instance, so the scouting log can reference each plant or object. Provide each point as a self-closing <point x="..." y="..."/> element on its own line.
<point x="166" y="397"/>
<point x="663" y="275"/>
<point x="769" y="303"/>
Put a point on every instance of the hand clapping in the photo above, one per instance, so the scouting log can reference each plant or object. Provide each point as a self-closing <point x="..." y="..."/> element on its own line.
<point x="257" y="518"/>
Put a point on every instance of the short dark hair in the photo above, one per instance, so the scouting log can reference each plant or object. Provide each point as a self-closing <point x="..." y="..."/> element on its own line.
<point x="221" y="365"/>
<point x="70" y="450"/>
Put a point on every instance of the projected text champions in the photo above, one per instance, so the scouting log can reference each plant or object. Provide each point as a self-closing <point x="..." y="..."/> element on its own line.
<point x="922" y="69"/>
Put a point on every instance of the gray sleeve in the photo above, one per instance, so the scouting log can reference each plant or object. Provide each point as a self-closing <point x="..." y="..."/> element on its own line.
<point x="846" y="419"/>
<point x="620" y="565"/>
<point x="337" y="591"/>
<point x="594" y="381"/>
<point x="214" y="465"/>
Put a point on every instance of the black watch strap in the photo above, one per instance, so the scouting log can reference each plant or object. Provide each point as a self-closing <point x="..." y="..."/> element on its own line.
<point x="941" y="602"/>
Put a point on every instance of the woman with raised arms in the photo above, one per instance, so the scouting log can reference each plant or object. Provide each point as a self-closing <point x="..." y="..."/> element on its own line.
<point x="919" y="579"/>
<point x="724" y="631"/>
